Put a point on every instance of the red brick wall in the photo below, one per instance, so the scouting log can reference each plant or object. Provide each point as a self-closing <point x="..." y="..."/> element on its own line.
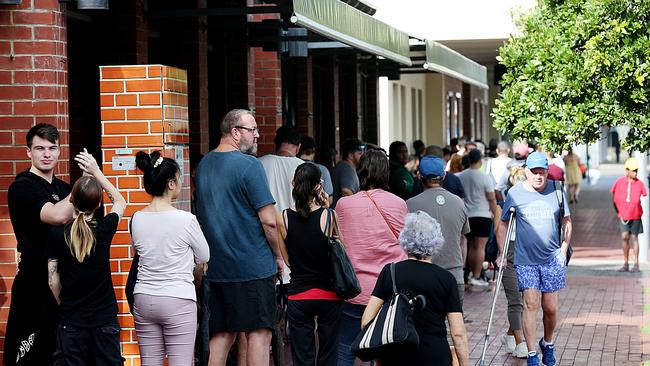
<point x="143" y="107"/>
<point x="33" y="89"/>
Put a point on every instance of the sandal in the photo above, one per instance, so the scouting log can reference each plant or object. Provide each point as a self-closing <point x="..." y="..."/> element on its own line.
<point x="635" y="268"/>
<point x="625" y="268"/>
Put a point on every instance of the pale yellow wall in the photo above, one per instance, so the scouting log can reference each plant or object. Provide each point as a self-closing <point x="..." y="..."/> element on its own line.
<point x="435" y="109"/>
<point x="405" y="120"/>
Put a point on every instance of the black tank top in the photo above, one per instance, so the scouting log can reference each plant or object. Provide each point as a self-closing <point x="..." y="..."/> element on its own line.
<point x="308" y="253"/>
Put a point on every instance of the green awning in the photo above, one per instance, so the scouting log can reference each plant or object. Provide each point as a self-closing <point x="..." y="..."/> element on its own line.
<point x="341" y="22"/>
<point x="446" y="61"/>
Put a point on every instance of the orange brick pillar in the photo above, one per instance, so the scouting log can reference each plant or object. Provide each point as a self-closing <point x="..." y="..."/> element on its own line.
<point x="33" y="89"/>
<point x="143" y="107"/>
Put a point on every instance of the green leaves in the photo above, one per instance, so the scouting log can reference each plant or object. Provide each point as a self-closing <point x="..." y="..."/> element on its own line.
<point x="577" y="65"/>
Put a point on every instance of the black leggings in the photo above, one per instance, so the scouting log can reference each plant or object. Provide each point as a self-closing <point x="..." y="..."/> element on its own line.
<point x="303" y="316"/>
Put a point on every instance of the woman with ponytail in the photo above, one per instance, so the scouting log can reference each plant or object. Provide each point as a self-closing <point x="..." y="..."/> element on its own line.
<point x="304" y="246"/>
<point x="80" y="273"/>
<point x="170" y="244"/>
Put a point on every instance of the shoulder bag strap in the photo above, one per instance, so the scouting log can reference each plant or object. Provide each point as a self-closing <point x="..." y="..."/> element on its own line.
<point x="284" y="220"/>
<point x="559" y="193"/>
<point x="381" y="212"/>
<point x="327" y="223"/>
<point x="392" y="277"/>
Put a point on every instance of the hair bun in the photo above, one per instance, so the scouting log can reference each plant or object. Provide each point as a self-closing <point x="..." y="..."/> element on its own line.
<point x="144" y="161"/>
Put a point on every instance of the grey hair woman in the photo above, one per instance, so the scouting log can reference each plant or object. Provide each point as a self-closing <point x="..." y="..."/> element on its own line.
<point x="422" y="238"/>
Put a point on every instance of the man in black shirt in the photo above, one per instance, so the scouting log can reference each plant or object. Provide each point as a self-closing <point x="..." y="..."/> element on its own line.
<point x="37" y="201"/>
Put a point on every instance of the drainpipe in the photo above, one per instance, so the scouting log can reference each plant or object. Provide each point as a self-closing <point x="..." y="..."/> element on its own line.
<point x="644" y="238"/>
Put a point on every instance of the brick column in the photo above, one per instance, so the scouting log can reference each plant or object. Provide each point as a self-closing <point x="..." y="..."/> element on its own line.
<point x="33" y="89"/>
<point x="268" y="97"/>
<point x="143" y="107"/>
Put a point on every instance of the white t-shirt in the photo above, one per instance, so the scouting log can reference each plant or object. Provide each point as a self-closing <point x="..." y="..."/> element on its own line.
<point x="498" y="166"/>
<point x="169" y="244"/>
<point x="279" y="172"/>
<point x="476" y="184"/>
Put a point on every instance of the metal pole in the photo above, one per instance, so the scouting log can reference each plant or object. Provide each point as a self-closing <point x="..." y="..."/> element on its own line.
<point x="498" y="284"/>
<point x="644" y="238"/>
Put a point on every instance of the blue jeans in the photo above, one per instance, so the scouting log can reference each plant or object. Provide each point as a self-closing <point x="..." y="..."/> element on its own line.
<point x="348" y="330"/>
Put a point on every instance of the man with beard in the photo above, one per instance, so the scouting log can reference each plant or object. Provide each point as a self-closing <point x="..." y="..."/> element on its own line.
<point x="236" y="210"/>
<point x="37" y="201"/>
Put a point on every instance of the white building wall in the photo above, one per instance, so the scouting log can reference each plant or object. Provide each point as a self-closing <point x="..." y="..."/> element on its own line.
<point x="402" y="110"/>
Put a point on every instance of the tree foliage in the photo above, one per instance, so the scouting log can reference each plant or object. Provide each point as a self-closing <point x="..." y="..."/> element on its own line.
<point x="577" y="65"/>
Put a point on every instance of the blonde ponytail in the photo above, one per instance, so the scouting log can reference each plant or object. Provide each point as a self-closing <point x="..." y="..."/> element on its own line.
<point x="81" y="237"/>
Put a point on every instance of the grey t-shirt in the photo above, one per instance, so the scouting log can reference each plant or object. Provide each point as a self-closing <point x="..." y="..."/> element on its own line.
<point x="344" y="176"/>
<point x="536" y="215"/>
<point x="450" y="212"/>
<point x="476" y="185"/>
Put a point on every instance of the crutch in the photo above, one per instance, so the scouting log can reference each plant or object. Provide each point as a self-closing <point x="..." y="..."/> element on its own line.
<point x="498" y="284"/>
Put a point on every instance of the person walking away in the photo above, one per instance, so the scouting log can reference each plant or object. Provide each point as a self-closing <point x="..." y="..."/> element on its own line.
<point x="498" y="165"/>
<point x="573" y="175"/>
<point x="237" y="216"/>
<point x="627" y="192"/>
<point x="521" y="152"/>
<point x="37" y="201"/>
<point x="307" y="153"/>
<point x="449" y="211"/>
<point x="481" y="206"/>
<point x="555" y="172"/>
<point x="401" y="180"/>
<point x="344" y="176"/>
<point x="370" y="222"/>
<point x="540" y="254"/>
<point x="170" y="244"/>
<point x="79" y="273"/>
<point x="313" y="305"/>
<point x="421" y="239"/>
<point x="513" y="340"/>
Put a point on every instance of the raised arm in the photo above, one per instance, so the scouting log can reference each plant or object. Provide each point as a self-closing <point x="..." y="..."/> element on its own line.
<point x="88" y="165"/>
<point x="57" y="213"/>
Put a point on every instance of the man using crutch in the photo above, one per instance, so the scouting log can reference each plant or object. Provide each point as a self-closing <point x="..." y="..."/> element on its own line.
<point x="540" y="251"/>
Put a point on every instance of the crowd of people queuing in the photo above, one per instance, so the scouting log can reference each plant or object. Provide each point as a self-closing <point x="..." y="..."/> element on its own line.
<point x="261" y="233"/>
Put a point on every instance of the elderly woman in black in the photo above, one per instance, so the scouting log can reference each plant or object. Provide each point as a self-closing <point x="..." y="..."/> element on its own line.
<point x="421" y="238"/>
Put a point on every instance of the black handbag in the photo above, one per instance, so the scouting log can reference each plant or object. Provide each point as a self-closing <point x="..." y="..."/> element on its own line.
<point x="392" y="330"/>
<point x="344" y="278"/>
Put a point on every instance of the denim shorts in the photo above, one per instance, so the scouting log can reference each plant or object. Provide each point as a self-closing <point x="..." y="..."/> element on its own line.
<point x="547" y="277"/>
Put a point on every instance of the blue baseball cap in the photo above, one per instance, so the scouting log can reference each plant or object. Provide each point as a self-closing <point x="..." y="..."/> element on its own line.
<point x="537" y="160"/>
<point x="432" y="166"/>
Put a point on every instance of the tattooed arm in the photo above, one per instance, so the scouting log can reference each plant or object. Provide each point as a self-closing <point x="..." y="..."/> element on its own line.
<point x="53" y="278"/>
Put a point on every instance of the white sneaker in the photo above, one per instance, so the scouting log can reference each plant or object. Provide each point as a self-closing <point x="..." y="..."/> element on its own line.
<point x="478" y="282"/>
<point x="508" y="341"/>
<point x="521" y="350"/>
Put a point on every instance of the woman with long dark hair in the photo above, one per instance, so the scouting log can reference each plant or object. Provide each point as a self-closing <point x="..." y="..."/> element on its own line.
<point x="170" y="243"/>
<point x="304" y="245"/>
<point x="88" y="332"/>
<point x="371" y="221"/>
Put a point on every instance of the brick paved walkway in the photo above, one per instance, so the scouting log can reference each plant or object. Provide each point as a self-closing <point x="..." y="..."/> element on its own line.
<point x="604" y="315"/>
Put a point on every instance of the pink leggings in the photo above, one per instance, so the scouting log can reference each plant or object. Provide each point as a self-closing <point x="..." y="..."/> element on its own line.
<point x="165" y="326"/>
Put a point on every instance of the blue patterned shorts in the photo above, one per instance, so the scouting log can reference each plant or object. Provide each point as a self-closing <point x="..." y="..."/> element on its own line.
<point x="548" y="277"/>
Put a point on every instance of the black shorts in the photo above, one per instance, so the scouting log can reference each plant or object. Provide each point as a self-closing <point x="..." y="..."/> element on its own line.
<point x="634" y="227"/>
<point x="79" y="346"/>
<point x="242" y="306"/>
<point x="479" y="227"/>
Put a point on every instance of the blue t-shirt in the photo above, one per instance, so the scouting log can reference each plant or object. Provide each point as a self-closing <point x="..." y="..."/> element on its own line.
<point x="537" y="230"/>
<point x="230" y="188"/>
<point x="453" y="184"/>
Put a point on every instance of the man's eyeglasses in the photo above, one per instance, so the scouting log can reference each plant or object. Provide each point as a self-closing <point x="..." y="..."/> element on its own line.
<point x="253" y="130"/>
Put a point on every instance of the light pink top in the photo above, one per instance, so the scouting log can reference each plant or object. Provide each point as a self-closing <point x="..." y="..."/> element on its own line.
<point x="368" y="240"/>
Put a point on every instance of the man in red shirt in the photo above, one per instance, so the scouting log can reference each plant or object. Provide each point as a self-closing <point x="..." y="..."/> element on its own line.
<point x="627" y="192"/>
